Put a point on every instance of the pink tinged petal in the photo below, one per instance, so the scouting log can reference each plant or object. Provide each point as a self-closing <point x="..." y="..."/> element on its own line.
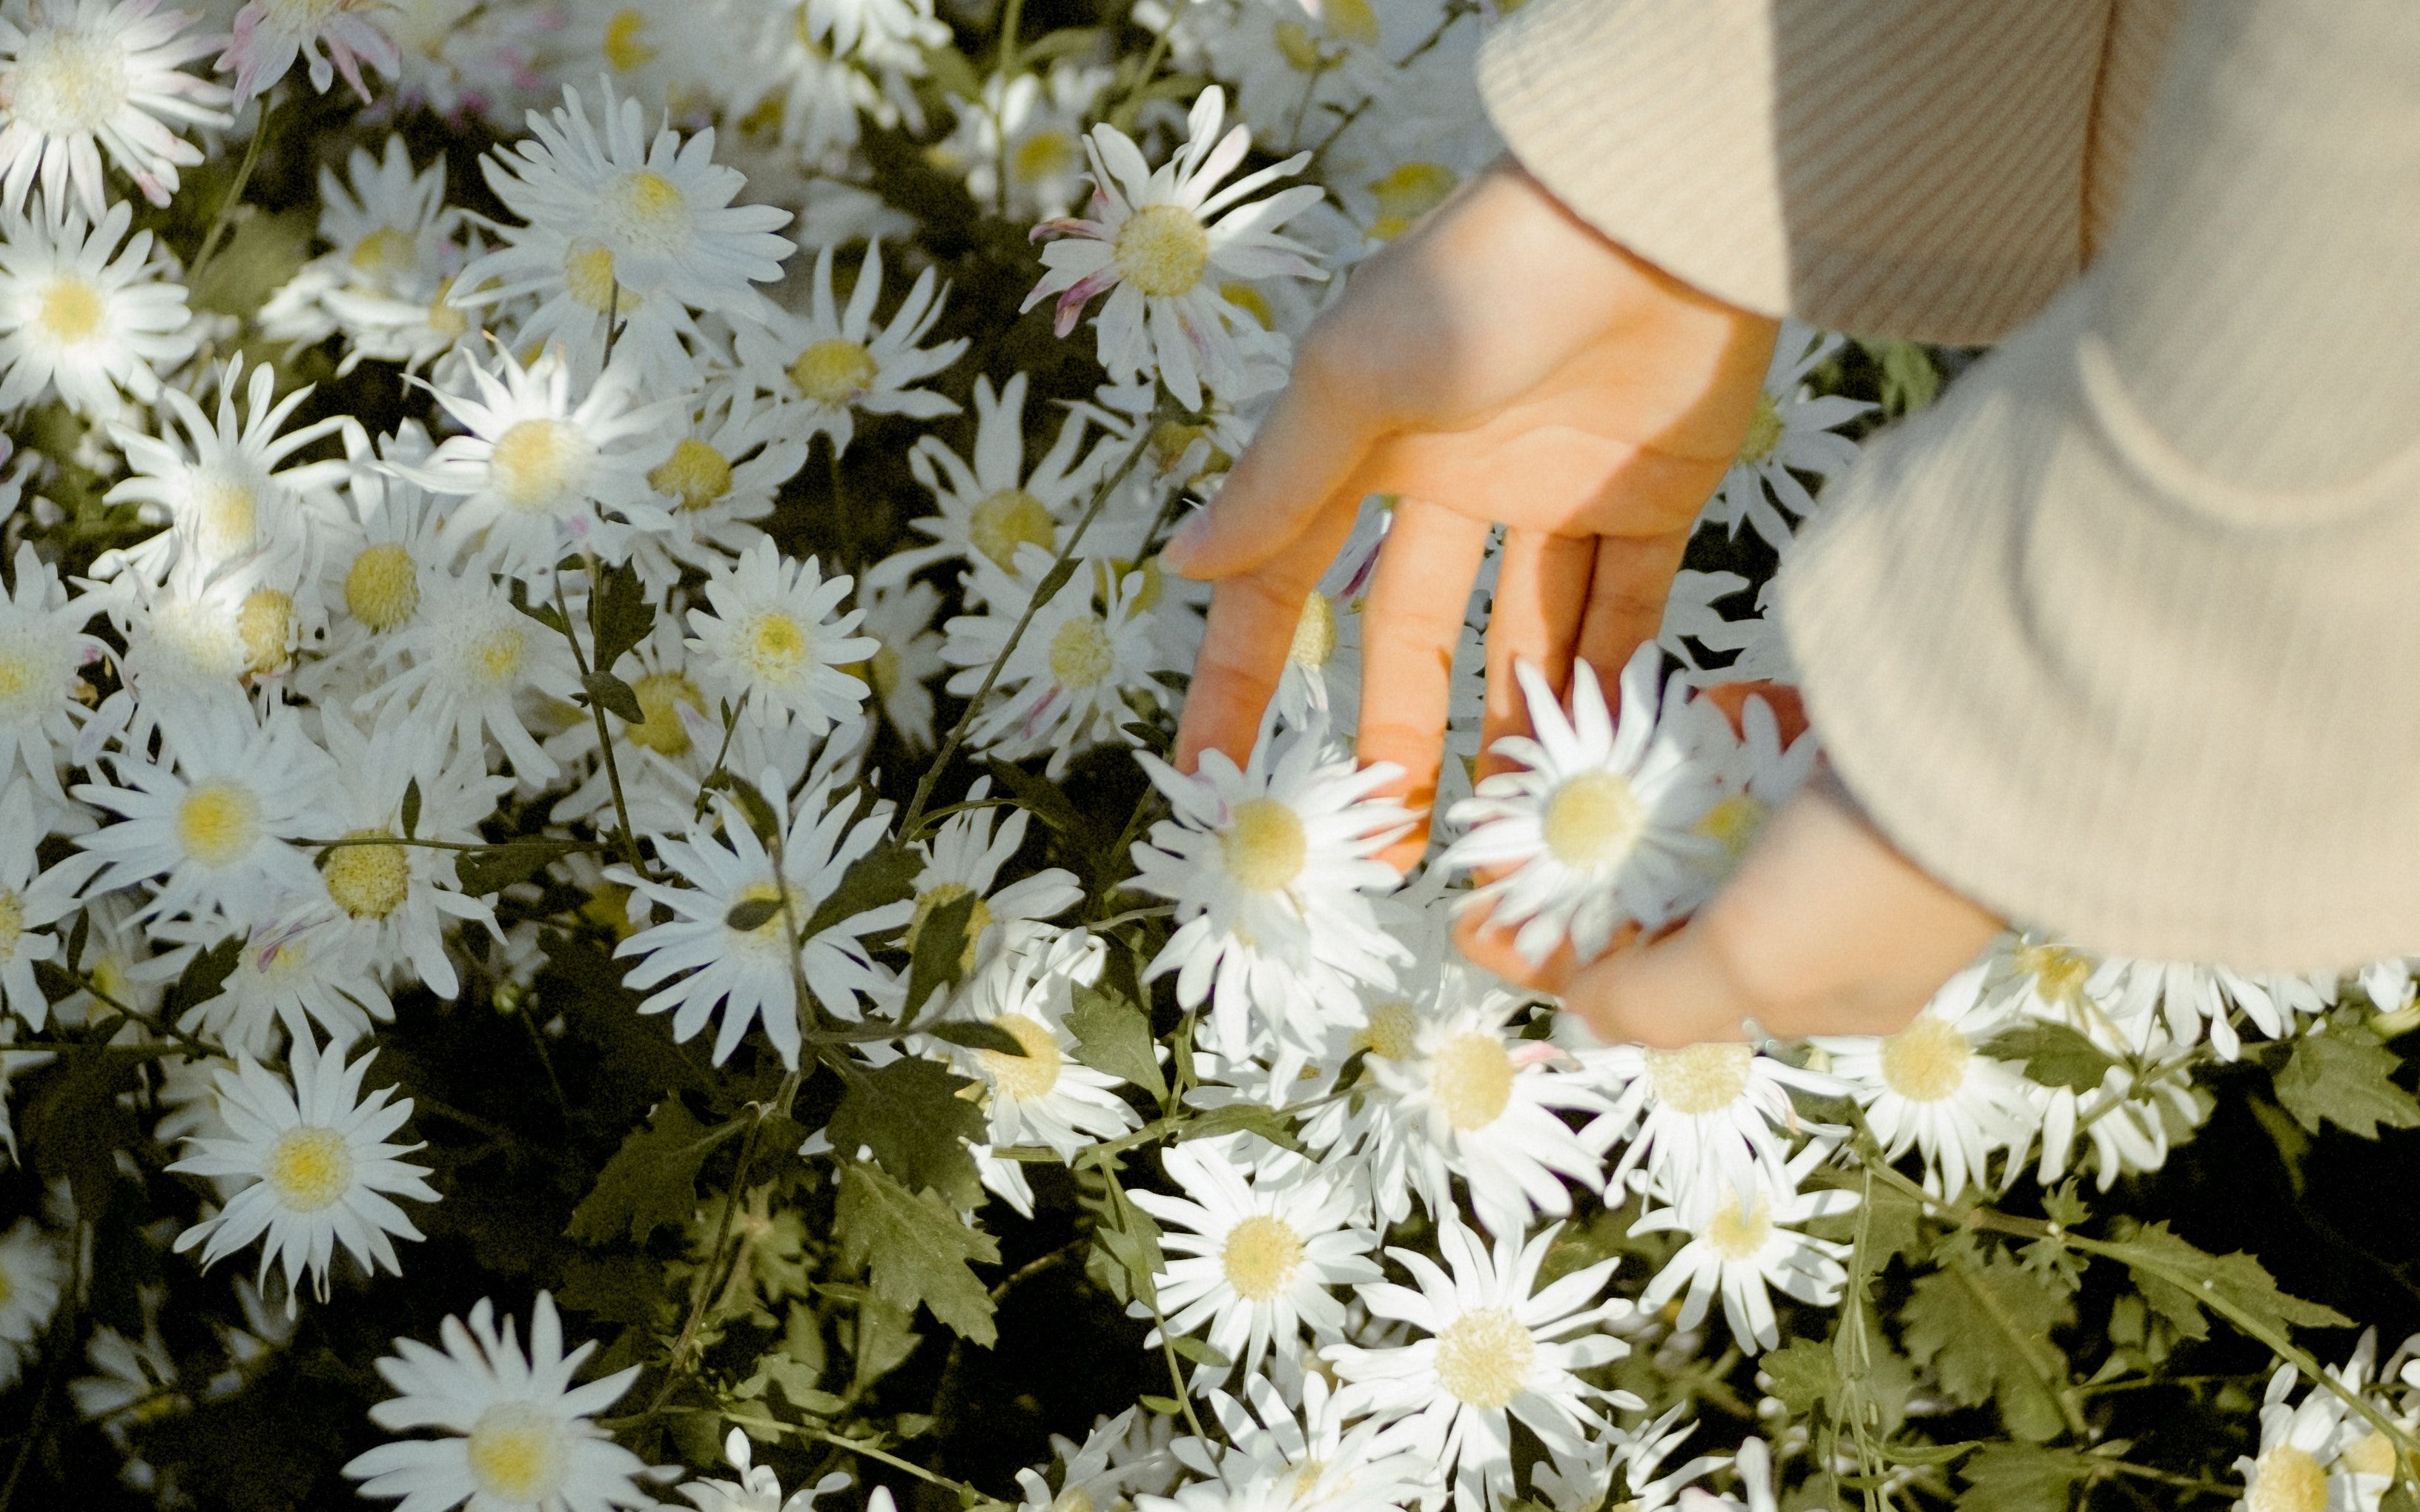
<point x="1070" y="308"/>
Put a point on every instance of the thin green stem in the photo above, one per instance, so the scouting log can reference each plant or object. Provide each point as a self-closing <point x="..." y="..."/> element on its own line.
<point x="707" y="1284"/>
<point x="225" y="216"/>
<point x="604" y="732"/>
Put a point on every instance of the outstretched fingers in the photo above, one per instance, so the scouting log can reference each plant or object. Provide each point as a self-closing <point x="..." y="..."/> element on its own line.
<point x="1411" y="624"/>
<point x="1243" y="648"/>
<point x="1541" y="583"/>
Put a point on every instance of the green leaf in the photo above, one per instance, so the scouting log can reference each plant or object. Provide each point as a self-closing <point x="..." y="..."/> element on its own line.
<point x="651" y="1182"/>
<point x="885" y="875"/>
<point x="412" y="809"/>
<point x="203" y="978"/>
<point x="547" y="614"/>
<point x="938" y="959"/>
<point x="1187" y="1347"/>
<point x="973" y="1036"/>
<point x="2055" y="1056"/>
<point x="1903" y="1453"/>
<point x="620" y="1289"/>
<point x="2347" y="1078"/>
<point x="1984" y="1327"/>
<point x="1164" y="1406"/>
<point x="1242" y="1118"/>
<point x="262" y="254"/>
<point x="1113" y="1037"/>
<point x="71" y="1125"/>
<point x="615" y="696"/>
<point x="2179" y="1280"/>
<point x="1909" y="381"/>
<point x="752" y="912"/>
<point x="754" y="806"/>
<point x="911" y="1115"/>
<point x="1046" y="801"/>
<point x="2284" y="1131"/>
<point x="619" y="617"/>
<point x="915" y="1249"/>
<point x="1803" y="1373"/>
<point x="494" y="868"/>
<point x="2017" y="1478"/>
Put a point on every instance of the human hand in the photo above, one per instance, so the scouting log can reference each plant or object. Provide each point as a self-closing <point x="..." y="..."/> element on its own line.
<point x="1501" y="363"/>
<point x="1825" y="929"/>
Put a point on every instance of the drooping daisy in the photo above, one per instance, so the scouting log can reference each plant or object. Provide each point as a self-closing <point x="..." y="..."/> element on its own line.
<point x="622" y="225"/>
<point x="1792" y="432"/>
<point x="1273" y="871"/>
<point x="758" y="1488"/>
<point x="1087" y="665"/>
<point x="93" y="75"/>
<point x="31" y="1270"/>
<point x="700" y="962"/>
<point x="209" y="825"/>
<point x="541" y="473"/>
<point x="81" y="317"/>
<point x="134" y="1383"/>
<point x="1598" y="827"/>
<point x="832" y="364"/>
<point x="1254" y="1256"/>
<point x="1931" y="1089"/>
<point x="963" y="860"/>
<point x="1742" y="1242"/>
<point x="271" y="34"/>
<point x="519" y="1433"/>
<point x="1161" y="244"/>
<point x="473" y="662"/>
<point x="317" y="1168"/>
<point x="775" y="636"/>
<point x="1493" y="1349"/>
<point x="994" y="507"/>
<point x="2191" y="997"/>
<point x="43" y="650"/>
<point x="717" y="479"/>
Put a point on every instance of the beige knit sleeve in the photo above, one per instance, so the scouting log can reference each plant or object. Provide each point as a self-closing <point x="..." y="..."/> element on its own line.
<point x="2117" y="639"/>
<point x="1929" y="168"/>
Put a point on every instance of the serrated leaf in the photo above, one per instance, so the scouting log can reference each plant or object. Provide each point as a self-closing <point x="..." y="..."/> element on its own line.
<point x="938" y="961"/>
<point x="1903" y="1453"/>
<point x="517" y="589"/>
<point x="203" y="978"/>
<point x="885" y="875"/>
<point x="2179" y="1280"/>
<point x="614" y="697"/>
<point x="1985" y="1328"/>
<point x="493" y="868"/>
<point x="915" y="1249"/>
<point x="2344" y="1076"/>
<point x="2016" y="1477"/>
<point x="911" y="1115"/>
<point x="1242" y="1118"/>
<point x="972" y="1036"/>
<point x="1803" y="1373"/>
<point x="1113" y="1037"/>
<point x="651" y="1182"/>
<point x="1044" y="799"/>
<point x="412" y="809"/>
<point x="749" y="914"/>
<point x="619" y="617"/>
<point x="2055" y="1056"/>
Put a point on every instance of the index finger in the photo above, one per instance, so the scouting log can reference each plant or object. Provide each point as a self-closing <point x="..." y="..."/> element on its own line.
<point x="1300" y="459"/>
<point x="1243" y="648"/>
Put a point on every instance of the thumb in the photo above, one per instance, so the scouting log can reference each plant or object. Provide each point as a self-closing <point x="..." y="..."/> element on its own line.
<point x="1302" y="457"/>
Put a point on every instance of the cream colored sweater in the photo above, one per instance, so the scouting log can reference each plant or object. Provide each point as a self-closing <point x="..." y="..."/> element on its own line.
<point x="2120" y="639"/>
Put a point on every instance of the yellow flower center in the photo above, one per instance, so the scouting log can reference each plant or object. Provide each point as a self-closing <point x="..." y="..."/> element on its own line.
<point x="1393" y="1032"/>
<point x="1081" y="653"/>
<point x="661" y="696"/>
<point x="516" y="1454"/>
<point x="2287" y="1479"/>
<point x="1162" y="250"/>
<point x="1315" y="632"/>
<point x="695" y="474"/>
<point x="775" y="645"/>
<point x="218" y="822"/>
<point x="12" y="928"/>
<point x="1701" y="1078"/>
<point x="382" y="586"/>
<point x="443" y="318"/>
<point x="588" y="274"/>
<point x="497" y="656"/>
<point x="1763" y="432"/>
<point x="1261" y="1256"/>
<point x="648" y="209"/>
<point x="978" y="917"/>
<point x="1046" y="154"/>
<point x="1022" y="1078"/>
<point x="834" y="371"/>
<point x="368" y="881"/>
<point x="2058" y="973"/>
<point x="1740" y="1229"/>
<point x="624" y="40"/>
<point x="538" y="463"/>
<point x="17" y="676"/>
<point x="1592" y="820"/>
<point x="1264" y="845"/>
<point x="385" y="252"/>
<point x="883" y="670"/>
<point x="1734" y="823"/>
<point x="1471" y="1077"/>
<point x="310" y="1167"/>
<point x="70" y="310"/>
<point x="1008" y="520"/>
<point x="1925" y="1061"/>
<point x="1484" y="1357"/>
<point x="227" y="516"/>
<point x="264" y="623"/>
<point x="1406" y="193"/>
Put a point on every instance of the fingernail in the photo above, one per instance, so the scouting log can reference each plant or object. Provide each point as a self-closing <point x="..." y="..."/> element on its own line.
<point x="1177" y="555"/>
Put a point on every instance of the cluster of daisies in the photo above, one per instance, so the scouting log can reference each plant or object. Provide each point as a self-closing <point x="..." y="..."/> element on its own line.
<point x="273" y="734"/>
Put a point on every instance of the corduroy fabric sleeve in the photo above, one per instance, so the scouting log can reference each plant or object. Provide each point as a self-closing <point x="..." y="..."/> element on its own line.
<point x="2114" y="639"/>
<point x="1906" y="167"/>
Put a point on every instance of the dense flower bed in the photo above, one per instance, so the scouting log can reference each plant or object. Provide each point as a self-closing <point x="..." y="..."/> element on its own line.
<point x="589" y="915"/>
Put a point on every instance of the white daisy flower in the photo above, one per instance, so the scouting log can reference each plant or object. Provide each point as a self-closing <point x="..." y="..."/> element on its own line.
<point x="210" y="823"/>
<point x="81" y="317"/>
<point x="830" y="364"/>
<point x="1044" y="1096"/>
<point x="703" y="964"/>
<point x="392" y="248"/>
<point x="1281" y="1461"/>
<point x="294" y="974"/>
<point x="775" y="636"/>
<point x="1273" y="871"/>
<point x="758" y="1488"/>
<point x="271" y="34"/>
<point x="1754" y="773"/>
<point x="1323" y="669"/>
<point x="1120" y="1453"/>
<point x="518" y="1432"/>
<point x="31" y="1271"/>
<point x="1929" y="1087"/>
<point x="318" y="1167"/>
<point x="1599" y="827"/>
<point x="716" y="481"/>
<point x="1742" y="1242"/>
<point x="135" y="1383"/>
<point x="1792" y="432"/>
<point x="1254" y="1256"/>
<point x="43" y="651"/>
<point x="84" y="76"/>
<point x="993" y="507"/>
<point x="843" y="25"/>
<point x="1491" y="1350"/>
<point x="1699" y="1118"/>
<point x="907" y="655"/>
<point x="1163" y="242"/>
<point x="540" y="473"/>
<point x="475" y="664"/>
<point x="373" y="569"/>
<point x="2316" y="1456"/>
<point x="2188" y="997"/>
<point x="1027" y="133"/>
<point x="963" y="860"/>
<point x="1089" y="662"/>
<point x="624" y="227"/>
